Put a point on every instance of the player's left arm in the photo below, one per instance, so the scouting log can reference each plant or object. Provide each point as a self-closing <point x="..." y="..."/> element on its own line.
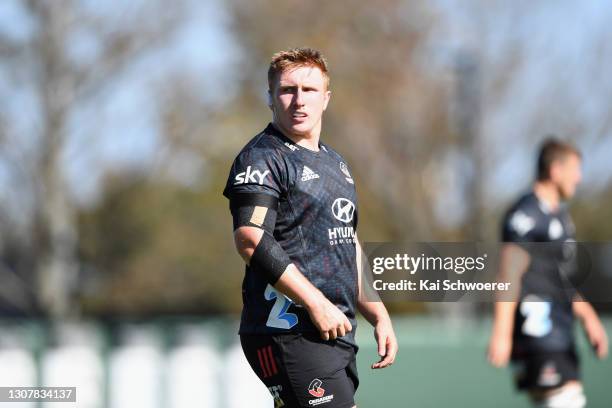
<point x="375" y="312"/>
<point x="594" y="329"/>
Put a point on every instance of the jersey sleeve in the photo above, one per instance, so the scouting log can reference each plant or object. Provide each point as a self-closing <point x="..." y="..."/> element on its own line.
<point x="256" y="171"/>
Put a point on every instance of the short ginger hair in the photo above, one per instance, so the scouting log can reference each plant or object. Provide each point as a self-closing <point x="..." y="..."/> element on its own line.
<point x="295" y="58"/>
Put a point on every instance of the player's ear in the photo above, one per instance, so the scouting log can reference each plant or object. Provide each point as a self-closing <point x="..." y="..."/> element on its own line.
<point x="326" y="101"/>
<point x="269" y="99"/>
<point x="556" y="170"/>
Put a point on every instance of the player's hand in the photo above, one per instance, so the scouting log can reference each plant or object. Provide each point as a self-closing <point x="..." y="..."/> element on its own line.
<point x="597" y="336"/>
<point x="387" y="343"/>
<point x="330" y="321"/>
<point x="499" y="350"/>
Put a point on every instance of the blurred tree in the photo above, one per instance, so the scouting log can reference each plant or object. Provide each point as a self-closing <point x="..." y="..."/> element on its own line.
<point x="42" y="62"/>
<point x="153" y="247"/>
<point x="387" y="115"/>
<point x="158" y="240"/>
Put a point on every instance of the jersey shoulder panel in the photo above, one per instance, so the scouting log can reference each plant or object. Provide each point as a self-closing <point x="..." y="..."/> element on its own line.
<point x="342" y="163"/>
<point x="260" y="167"/>
<point x="328" y="149"/>
<point x="521" y="220"/>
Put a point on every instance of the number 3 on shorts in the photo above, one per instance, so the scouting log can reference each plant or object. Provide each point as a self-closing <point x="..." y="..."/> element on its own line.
<point x="279" y="318"/>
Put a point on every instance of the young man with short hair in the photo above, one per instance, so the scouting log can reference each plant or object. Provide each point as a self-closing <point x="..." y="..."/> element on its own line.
<point x="536" y="332"/>
<point x="294" y="208"/>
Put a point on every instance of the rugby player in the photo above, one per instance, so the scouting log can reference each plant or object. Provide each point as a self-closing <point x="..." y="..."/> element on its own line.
<point x="536" y="332"/>
<point x="294" y="210"/>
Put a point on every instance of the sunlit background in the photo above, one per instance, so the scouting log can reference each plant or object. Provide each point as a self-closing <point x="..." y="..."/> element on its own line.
<point x="119" y="122"/>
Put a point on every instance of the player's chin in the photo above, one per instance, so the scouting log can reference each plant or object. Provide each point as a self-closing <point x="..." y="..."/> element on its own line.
<point x="568" y="193"/>
<point x="302" y="129"/>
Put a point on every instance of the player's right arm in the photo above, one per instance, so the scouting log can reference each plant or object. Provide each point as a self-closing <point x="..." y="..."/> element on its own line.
<point x="593" y="328"/>
<point x="328" y="319"/>
<point x="514" y="262"/>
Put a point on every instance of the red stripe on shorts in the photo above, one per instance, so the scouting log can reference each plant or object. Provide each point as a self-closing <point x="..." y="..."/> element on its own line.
<point x="260" y="354"/>
<point x="274" y="370"/>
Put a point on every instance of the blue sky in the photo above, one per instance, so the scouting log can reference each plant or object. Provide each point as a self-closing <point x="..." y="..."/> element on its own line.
<point x="560" y="85"/>
<point x="120" y="128"/>
<point x="561" y="82"/>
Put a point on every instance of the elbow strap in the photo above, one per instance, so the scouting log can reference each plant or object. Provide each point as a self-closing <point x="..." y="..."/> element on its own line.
<point x="270" y="258"/>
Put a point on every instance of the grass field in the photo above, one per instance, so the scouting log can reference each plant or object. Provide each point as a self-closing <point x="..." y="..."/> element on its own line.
<point x="443" y="365"/>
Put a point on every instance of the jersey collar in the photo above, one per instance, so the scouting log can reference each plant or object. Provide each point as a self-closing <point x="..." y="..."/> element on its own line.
<point x="272" y="130"/>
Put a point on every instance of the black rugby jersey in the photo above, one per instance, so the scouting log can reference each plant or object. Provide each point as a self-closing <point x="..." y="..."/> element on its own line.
<point x="315" y="224"/>
<point x="544" y="316"/>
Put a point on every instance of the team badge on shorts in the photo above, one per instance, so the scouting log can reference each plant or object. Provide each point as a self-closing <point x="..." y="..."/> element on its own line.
<point x="275" y="391"/>
<point x="549" y="376"/>
<point x="316" y="390"/>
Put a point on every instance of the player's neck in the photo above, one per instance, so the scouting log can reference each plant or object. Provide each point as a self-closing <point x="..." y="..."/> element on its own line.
<point x="309" y="141"/>
<point x="548" y="194"/>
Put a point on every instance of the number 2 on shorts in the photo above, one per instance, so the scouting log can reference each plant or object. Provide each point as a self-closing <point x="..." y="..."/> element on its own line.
<point x="279" y="318"/>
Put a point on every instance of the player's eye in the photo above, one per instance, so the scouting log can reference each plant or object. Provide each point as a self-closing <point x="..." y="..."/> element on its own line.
<point x="287" y="89"/>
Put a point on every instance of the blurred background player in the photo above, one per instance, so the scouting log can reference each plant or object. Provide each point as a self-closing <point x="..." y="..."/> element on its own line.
<point x="293" y="203"/>
<point x="536" y="332"/>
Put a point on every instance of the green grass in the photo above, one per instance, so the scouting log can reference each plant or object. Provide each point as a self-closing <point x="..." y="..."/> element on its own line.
<point x="443" y="365"/>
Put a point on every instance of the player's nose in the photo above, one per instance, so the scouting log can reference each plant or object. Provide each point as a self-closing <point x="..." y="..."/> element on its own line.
<point x="298" y="100"/>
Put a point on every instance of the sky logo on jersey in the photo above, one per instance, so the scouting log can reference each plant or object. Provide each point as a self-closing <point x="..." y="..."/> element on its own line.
<point x="308" y="174"/>
<point x="251" y="176"/>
